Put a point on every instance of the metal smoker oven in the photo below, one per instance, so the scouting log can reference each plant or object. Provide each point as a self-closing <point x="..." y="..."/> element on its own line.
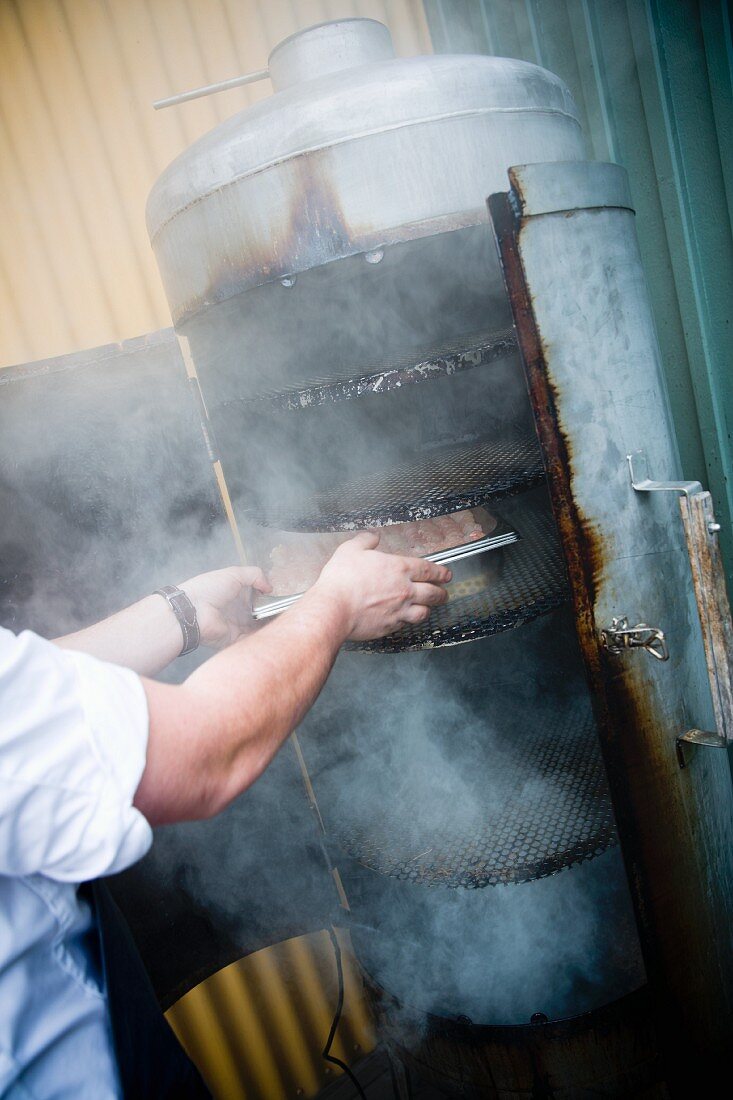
<point x="340" y="309"/>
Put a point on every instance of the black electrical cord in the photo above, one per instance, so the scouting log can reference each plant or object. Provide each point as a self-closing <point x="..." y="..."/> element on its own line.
<point x="326" y="1053"/>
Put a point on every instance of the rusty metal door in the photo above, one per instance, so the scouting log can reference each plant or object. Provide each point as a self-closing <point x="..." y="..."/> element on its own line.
<point x="571" y="265"/>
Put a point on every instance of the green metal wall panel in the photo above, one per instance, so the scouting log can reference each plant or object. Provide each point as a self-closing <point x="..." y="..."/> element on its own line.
<point x="654" y="83"/>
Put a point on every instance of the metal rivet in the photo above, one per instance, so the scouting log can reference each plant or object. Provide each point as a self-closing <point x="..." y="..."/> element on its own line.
<point x="374" y="257"/>
<point x="288" y="280"/>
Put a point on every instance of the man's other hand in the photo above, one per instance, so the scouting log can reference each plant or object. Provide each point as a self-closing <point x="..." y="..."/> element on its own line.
<point x="222" y="602"/>
<point x="381" y="592"/>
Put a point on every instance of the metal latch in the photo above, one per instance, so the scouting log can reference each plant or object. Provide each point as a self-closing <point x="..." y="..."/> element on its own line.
<point x="620" y="636"/>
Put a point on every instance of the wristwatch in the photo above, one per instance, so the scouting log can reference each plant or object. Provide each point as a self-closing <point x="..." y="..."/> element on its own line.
<point x="185" y="612"/>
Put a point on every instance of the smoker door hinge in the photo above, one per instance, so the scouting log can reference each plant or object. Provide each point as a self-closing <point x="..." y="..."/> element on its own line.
<point x="620" y="636"/>
<point x="698" y="737"/>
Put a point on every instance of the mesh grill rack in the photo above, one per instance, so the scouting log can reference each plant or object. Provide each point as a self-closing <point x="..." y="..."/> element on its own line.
<point x="405" y="370"/>
<point x="445" y="480"/>
<point x="547" y="807"/>
<point x="531" y="582"/>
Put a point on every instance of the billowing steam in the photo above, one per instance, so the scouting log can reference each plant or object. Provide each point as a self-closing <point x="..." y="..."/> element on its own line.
<point x="404" y="750"/>
<point x="427" y="770"/>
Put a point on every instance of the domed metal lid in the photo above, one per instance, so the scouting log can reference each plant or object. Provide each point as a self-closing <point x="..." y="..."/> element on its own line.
<point x="355" y="146"/>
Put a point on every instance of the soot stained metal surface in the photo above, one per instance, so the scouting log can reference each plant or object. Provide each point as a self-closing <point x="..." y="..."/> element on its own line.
<point x="547" y="807"/>
<point x="530" y="582"/>
<point x="444" y="481"/>
<point x="459" y="355"/>
<point x="615" y="1044"/>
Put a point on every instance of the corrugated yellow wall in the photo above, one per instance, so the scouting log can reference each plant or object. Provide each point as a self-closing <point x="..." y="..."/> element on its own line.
<point x="80" y="144"/>
<point x="257" y="1029"/>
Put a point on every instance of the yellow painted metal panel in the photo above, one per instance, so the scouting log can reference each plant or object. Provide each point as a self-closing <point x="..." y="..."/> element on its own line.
<point x="257" y="1029"/>
<point x="80" y="145"/>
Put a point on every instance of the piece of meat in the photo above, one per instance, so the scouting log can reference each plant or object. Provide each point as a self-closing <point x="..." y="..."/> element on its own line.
<point x="296" y="564"/>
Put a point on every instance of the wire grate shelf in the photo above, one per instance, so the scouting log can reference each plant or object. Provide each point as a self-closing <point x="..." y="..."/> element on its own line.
<point x="543" y="805"/>
<point x="411" y="368"/>
<point x="445" y="480"/>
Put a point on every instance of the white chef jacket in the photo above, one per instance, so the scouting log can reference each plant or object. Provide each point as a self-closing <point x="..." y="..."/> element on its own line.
<point x="73" y="738"/>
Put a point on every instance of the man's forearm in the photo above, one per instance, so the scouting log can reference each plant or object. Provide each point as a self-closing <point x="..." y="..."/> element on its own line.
<point x="212" y="736"/>
<point x="144" y="637"/>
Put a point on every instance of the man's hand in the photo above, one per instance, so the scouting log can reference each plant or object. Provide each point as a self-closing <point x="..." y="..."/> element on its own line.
<point x="221" y="599"/>
<point x="147" y="636"/>
<point x="381" y="592"/>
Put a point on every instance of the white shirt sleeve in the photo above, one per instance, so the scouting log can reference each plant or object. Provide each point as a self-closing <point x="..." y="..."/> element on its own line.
<point x="73" y="739"/>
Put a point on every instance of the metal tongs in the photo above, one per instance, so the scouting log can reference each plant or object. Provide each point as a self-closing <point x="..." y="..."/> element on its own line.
<point x="502" y="535"/>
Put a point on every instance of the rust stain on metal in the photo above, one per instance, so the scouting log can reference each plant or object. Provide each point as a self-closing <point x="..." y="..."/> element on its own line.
<point x="315" y="210"/>
<point x="612" y="689"/>
<point x="583" y="549"/>
<point x="314" y="214"/>
<point x="652" y="809"/>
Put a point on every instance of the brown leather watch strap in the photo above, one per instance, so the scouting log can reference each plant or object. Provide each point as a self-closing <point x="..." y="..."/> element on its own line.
<point x="185" y="612"/>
